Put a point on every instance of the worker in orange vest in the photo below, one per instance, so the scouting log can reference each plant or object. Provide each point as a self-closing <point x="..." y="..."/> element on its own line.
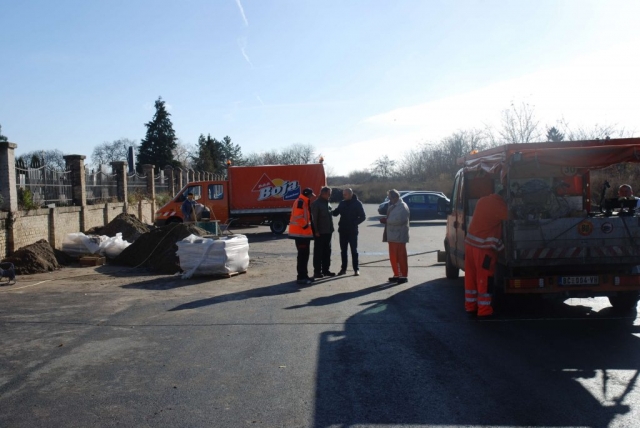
<point x="482" y="244"/>
<point x="300" y="229"/>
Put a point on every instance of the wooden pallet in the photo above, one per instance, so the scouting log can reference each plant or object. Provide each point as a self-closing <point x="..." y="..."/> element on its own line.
<point x="92" y="261"/>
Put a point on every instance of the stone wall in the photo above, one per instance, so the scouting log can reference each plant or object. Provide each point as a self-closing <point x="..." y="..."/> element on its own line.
<point x="53" y="224"/>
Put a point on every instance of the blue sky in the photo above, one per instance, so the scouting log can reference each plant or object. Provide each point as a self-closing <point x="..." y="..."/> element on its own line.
<point x="356" y="79"/>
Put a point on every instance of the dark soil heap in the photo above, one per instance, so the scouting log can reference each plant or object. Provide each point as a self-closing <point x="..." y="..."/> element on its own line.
<point x="35" y="258"/>
<point x="127" y="224"/>
<point x="157" y="249"/>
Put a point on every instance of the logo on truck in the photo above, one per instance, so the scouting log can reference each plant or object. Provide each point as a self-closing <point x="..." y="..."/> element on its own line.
<point x="277" y="188"/>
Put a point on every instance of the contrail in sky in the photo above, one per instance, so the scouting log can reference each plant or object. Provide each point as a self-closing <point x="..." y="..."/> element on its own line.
<point x="242" y="44"/>
<point x="259" y="99"/>
<point x="244" y="17"/>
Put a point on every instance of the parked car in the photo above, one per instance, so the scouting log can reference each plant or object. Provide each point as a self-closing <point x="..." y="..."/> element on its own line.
<point x="423" y="205"/>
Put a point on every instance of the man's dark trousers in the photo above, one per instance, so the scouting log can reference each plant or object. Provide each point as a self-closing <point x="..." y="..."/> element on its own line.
<point x="322" y="253"/>
<point x="303" y="245"/>
<point x="350" y="239"/>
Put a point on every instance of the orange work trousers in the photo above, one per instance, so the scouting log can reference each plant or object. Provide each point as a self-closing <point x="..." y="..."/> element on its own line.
<point x="398" y="257"/>
<point x="479" y="266"/>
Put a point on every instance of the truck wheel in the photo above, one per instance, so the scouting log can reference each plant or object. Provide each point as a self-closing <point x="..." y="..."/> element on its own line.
<point x="624" y="301"/>
<point x="174" y="220"/>
<point x="278" y="226"/>
<point x="451" y="271"/>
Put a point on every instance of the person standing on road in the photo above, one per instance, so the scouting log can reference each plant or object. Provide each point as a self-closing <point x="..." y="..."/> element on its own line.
<point x="351" y="214"/>
<point x="323" y="230"/>
<point x="188" y="208"/>
<point x="482" y="244"/>
<point x="396" y="233"/>
<point x="300" y="229"/>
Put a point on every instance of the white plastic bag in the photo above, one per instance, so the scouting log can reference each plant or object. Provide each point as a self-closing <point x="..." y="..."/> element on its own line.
<point x="205" y="256"/>
<point x="79" y="244"/>
<point x="112" y="247"/>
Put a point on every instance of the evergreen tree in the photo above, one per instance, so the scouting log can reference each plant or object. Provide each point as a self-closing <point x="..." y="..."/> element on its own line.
<point x="158" y="145"/>
<point x="554" y="135"/>
<point x="2" y="137"/>
<point x="213" y="154"/>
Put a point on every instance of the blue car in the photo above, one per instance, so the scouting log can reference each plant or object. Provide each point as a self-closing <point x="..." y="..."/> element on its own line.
<point x="423" y="205"/>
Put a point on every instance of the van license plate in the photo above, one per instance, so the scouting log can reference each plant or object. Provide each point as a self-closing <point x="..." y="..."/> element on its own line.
<point x="579" y="280"/>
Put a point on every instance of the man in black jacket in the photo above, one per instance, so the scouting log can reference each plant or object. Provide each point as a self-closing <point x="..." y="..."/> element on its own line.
<point x="351" y="214"/>
<point x="322" y="222"/>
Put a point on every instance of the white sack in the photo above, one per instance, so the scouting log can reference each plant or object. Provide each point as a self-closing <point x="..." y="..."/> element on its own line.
<point x="205" y="256"/>
<point x="79" y="244"/>
<point x="112" y="247"/>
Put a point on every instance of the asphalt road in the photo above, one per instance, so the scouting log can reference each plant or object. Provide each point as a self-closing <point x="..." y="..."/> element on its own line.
<point x="117" y="347"/>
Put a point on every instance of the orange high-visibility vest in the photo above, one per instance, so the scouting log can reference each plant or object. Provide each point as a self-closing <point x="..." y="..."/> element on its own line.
<point x="300" y="221"/>
<point x="485" y="230"/>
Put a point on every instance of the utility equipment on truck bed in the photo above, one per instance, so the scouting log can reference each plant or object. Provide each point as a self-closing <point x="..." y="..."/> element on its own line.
<point x="564" y="236"/>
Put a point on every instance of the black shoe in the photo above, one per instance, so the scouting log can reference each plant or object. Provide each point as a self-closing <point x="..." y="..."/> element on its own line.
<point x="356" y="273"/>
<point x="394" y="279"/>
<point x="472" y="314"/>
<point x="329" y="274"/>
<point x="304" y="281"/>
<point x="342" y="272"/>
<point x="318" y="275"/>
<point x="402" y="280"/>
<point x="486" y="317"/>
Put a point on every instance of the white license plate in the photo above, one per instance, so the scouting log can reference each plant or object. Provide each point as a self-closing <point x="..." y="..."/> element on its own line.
<point x="579" y="280"/>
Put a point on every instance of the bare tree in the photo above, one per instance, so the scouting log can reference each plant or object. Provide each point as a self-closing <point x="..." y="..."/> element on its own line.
<point x="519" y="125"/>
<point x="117" y="150"/>
<point x="184" y="154"/>
<point x="52" y="159"/>
<point x="598" y="132"/>
<point x="293" y="155"/>
<point x="384" y="167"/>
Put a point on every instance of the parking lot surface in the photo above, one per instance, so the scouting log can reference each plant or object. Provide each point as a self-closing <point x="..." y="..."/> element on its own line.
<point x="113" y="346"/>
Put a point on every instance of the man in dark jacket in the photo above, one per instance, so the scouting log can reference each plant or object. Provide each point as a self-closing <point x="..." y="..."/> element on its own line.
<point x="351" y="212"/>
<point x="323" y="230"/>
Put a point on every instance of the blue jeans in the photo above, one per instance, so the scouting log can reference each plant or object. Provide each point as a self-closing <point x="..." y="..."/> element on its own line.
<point x="349" y="239"/>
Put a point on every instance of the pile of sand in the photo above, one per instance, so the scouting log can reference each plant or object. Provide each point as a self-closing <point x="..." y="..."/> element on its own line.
<point x="157" y="249"/>
<point x="127" y="224"/>
<point x="37" y="258"/>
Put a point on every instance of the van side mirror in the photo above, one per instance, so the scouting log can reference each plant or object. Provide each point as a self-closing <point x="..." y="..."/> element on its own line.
<point x="448" y="208"/>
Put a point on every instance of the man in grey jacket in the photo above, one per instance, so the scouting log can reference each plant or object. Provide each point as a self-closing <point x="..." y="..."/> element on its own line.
<point x="322" y="223"/>
<point x="396" y="233"/>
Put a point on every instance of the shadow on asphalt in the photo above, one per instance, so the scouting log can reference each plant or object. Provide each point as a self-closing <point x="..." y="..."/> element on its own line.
<point x="254" y="293"/>
<point x="416" y="223"/>
<point x="342" y="297"/>
<point x="415" y="359"/>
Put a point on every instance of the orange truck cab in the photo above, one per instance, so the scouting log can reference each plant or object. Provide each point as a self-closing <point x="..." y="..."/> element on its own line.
<point x="568" y="234"/>
<point x="250" y="195"/>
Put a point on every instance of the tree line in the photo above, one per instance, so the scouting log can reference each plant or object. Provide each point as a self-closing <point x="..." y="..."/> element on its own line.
<point x="436" y="161"/>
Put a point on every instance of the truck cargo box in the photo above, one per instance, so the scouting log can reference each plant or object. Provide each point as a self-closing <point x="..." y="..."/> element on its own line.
<point x="271" y="188"/>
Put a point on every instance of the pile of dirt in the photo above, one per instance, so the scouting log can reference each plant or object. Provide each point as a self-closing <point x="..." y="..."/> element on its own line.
<point x="157" y="249"/>
<point x="35" y="258"/>
<point x="127" y="224"/>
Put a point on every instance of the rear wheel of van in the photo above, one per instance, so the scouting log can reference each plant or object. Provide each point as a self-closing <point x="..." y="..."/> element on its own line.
<point x="451" y="271"/>
<point x="174" y="220"/>
<point x="625" y="301"/>
<point x="278" y="226"/>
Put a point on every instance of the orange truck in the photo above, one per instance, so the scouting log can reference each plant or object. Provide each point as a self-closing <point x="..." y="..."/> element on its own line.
<point x="569" y="234"/>
<point x="250" y="195"/>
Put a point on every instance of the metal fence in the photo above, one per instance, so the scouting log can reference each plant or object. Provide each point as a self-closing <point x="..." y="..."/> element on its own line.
<point x="162" y="183"/>
<point x="101" y="187"/>
<point x="136" y="184"/>
<point x="47" y="186"/>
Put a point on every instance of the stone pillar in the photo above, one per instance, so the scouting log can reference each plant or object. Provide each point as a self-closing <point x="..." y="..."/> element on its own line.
<point x="75" y="164"/>
<point x="178" y="179"/>
<point x="190" y="176"/>
<point x="149" y="171"/>
<point x="120" y="170"/>
<point x="8" y="188"/>
<point x="171" y="185"/>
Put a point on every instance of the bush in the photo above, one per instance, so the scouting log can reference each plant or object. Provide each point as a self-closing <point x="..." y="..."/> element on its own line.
<point x="162" y="199"/>
<point x="25" y="200"/>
